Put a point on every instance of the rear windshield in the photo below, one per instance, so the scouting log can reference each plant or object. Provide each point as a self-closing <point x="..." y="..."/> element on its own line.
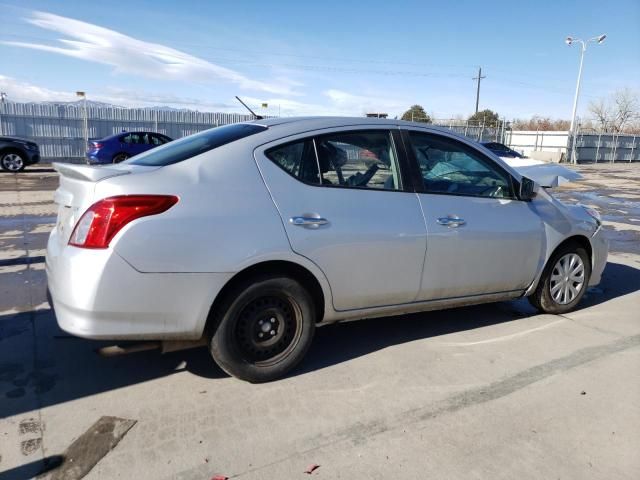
<point x="187" y="147"/>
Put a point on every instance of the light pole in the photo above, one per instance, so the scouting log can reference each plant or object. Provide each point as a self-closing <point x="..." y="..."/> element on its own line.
<point x="570" y="41"/>
<point x="85" y="124"/>
<point x="3" y="96"/>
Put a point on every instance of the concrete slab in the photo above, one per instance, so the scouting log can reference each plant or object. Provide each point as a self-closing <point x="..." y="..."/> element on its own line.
<point x="492" y="391"/>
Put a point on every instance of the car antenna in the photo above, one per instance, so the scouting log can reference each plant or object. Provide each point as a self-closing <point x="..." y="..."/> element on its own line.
<point x="258" y="117"/>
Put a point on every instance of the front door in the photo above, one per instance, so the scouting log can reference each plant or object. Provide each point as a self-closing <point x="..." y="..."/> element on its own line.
<point x="481" y="239"/>
<point x="343" y="206"/>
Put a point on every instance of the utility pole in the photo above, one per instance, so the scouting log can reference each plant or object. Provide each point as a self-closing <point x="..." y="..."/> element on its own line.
<point x="3" y="95"/>
<point x="85" y="123"/>
<point x="478" y="78"/>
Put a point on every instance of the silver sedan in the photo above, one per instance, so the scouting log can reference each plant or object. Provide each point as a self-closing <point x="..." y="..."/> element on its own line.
<point x="248" y="236"/>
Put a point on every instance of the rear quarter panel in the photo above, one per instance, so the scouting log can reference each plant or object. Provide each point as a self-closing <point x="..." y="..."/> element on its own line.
<point x="225" y="219"/>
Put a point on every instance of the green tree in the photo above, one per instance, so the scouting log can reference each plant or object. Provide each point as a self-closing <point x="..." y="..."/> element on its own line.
<point x="416" y="114"/>
<point x="488" y="117"/>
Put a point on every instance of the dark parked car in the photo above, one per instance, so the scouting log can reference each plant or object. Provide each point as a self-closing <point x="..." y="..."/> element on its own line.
<point x="116" y="148"/>
<point x="17" y="153"/>
<point x="502" y="150"/>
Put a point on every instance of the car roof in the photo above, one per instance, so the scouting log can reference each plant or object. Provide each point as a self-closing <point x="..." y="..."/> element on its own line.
<point x="330" y="122"/>
<point x="285" y="126"/>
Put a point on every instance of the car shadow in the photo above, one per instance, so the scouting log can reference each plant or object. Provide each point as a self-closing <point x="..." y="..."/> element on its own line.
<point x="342" y="342"/>
<point x="41" y="366"/>
<point x="33" y="469"/>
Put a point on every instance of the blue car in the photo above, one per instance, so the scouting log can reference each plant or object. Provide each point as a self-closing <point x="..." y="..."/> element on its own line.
<point x="502" y="150"/>
<point x="116" y="148"/>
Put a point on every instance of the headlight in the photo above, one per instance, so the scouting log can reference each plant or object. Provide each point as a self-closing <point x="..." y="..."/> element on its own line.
<point x="593" y="213"/>
<point x="28" y="146"/>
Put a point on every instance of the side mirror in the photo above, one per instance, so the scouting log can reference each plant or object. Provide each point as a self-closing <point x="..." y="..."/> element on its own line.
<point x="528" y="189"/>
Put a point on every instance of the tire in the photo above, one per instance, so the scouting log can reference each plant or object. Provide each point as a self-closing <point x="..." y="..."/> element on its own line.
<point x="263" y="328"/>
<point x="120" y="157"/>
<point x="12" y="162"/>
<point x="550" y="295"/>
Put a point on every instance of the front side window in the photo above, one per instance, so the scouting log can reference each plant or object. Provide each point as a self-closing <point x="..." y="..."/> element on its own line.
<point x="449" y="166"/>
<point x="361" y="159"/>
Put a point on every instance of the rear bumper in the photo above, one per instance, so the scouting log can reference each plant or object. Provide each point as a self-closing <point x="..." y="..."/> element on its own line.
<point x="600" y="252"/>
<point x="97" y="294"/>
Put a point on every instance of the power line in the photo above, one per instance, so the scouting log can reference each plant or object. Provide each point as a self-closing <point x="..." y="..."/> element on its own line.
<point x="337" y="69"/>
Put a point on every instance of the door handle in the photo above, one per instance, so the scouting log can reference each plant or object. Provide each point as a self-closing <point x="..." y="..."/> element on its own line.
<point x="311" y="222"/>
<point x="452" y="221"/>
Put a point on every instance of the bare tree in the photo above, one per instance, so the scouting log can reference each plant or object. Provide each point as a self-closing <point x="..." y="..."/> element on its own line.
<point x="541" y="123"/>
<point x="617" y="113"/>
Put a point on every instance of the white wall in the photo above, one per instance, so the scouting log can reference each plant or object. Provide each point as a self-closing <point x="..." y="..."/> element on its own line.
<point x="526" y="141"/>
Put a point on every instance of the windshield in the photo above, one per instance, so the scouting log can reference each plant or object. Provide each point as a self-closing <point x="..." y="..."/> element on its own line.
<point x="187" y="147"/>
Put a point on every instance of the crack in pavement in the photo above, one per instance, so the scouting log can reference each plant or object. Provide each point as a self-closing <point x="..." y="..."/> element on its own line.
<point x="361" y="431"/>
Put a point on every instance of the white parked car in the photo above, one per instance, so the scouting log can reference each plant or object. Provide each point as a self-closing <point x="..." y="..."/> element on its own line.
<point x="250" y="235"/>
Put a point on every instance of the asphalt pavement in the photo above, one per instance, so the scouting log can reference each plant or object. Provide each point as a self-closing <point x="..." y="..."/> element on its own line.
<point x="492" y="391"/>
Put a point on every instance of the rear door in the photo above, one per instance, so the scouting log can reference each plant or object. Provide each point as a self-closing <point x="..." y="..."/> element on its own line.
<point x="481" y="238"/>
<point x="344" y="205"/>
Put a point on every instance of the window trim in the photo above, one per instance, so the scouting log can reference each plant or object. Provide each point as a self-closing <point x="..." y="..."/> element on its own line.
<point x="406" y="179"/>
<point x="418" y="179"/>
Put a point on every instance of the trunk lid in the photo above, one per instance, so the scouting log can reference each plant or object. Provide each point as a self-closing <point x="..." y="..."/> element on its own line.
<point x="76" y="192"/>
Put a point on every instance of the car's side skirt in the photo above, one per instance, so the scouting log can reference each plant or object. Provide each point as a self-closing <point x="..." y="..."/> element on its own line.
<point x="438" y="304"/>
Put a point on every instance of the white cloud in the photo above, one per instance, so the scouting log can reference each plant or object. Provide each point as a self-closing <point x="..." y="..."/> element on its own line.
<point x="335" y="102"/>
<point x="129" y="55"/>
<point x="26" y="92"/>
<point x="19" y="91"/>
<point x="345" y="101"/>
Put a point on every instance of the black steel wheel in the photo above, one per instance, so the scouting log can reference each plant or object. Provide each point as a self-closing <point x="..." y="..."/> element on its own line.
<point x="263" y="328"/>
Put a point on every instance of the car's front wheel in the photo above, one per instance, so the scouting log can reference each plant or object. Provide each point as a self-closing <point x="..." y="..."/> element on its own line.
<point x="12" y="162"/>
<point x="564" y="280"/>
<point x="263" y="328"/>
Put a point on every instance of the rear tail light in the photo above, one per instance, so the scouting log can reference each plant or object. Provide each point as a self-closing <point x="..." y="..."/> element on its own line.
<point x="95" y="145"/>
<point x="100" y="223"/>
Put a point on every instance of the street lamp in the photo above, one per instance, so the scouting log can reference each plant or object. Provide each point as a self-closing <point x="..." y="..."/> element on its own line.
<point x="3" y="96"/>
<point x="85" y="125"/>
<point x="570" y="41"/>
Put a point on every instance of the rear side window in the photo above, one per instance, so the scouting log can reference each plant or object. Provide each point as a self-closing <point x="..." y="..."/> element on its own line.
<point x="187" y="147"/>
<point x="298" y="159"/>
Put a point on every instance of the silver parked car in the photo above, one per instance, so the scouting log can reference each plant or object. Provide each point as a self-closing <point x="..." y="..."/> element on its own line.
<point x="250" y="235"/>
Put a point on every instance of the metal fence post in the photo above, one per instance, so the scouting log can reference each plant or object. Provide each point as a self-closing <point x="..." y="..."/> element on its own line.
<point x="633" y="147"/>
<point x="598" y="146"/>
<point x="615" y="147"/>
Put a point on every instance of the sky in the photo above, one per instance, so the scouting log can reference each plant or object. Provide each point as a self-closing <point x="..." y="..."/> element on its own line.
<point x="320" y="58"/>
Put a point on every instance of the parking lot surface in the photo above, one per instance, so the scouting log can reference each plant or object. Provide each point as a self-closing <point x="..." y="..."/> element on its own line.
<point x="493" y="391"/>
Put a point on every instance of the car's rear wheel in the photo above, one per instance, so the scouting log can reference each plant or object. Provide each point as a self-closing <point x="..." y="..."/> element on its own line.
<point x="564" y="280"/>
<point x="263" y="328"/>
<point x="120" y="157"/>
<point x="12" y="162"/>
